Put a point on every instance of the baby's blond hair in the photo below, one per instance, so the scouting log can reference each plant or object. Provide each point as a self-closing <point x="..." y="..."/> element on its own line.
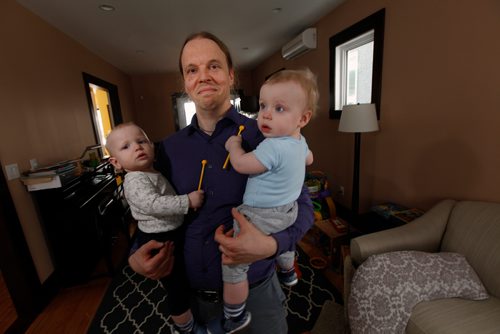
<point x="118" y="127"/>
<point x="306" y="79"/>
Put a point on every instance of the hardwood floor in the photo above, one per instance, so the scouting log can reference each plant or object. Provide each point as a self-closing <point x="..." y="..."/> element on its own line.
<point x="7" y="311"/>
<point x="73" y="308"/>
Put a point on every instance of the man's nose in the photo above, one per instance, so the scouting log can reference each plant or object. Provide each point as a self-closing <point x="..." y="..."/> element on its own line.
<point x="204" y="75"/>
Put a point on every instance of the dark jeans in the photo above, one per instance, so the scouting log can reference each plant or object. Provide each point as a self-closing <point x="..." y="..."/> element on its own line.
<point x="176" y="284"/>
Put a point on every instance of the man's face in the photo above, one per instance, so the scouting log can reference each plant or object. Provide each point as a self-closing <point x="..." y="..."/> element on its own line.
<point x="207" y="77"/>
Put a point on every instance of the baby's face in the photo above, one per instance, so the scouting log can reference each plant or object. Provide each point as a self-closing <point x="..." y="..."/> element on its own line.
<point x="131" y="149"/>
<point x="283" y="110"/>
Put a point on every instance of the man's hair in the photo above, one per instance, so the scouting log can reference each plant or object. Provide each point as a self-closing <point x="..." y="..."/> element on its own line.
<point x="305" y="78"/>
<point x="212" y="37"/>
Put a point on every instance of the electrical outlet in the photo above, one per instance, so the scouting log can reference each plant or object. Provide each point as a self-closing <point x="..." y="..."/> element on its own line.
<point x="12" y="171"/>
<point x="341" y="190"/>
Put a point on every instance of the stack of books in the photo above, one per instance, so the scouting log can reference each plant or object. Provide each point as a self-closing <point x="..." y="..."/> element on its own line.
<point x="52" y="176"/>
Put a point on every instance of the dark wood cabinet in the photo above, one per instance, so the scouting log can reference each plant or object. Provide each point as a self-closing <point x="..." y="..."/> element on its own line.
<point x="78" y="219"/>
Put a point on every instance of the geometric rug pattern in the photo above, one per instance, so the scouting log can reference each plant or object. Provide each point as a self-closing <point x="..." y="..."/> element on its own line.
<point x="135" y="304"/>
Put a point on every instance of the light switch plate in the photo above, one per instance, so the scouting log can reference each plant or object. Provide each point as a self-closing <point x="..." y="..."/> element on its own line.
<point x="33" y="164"/>
<point x="12" y="171"/>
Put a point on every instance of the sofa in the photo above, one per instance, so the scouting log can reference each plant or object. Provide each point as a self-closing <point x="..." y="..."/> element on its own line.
<point x="469" y="228"/>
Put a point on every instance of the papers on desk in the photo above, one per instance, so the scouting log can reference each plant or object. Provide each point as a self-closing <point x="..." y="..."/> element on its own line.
<point x="50" y="176"/>
<point x="40" y="183"/>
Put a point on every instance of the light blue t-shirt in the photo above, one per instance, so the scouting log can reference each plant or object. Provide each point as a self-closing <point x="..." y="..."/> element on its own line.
<point x="285" y="160"/>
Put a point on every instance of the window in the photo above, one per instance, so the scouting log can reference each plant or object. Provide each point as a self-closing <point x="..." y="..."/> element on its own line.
<point x="184" y="109"/>
<point x="356" y="64"/>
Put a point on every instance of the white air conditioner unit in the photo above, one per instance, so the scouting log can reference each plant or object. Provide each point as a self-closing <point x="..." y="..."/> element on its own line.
<point x="300" y="44"/>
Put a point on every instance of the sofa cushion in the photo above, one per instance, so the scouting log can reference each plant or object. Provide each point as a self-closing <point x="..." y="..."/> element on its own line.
<point x="473" y="230"/>
<point x="456" y="316"/>
<point x="386" y="287"/>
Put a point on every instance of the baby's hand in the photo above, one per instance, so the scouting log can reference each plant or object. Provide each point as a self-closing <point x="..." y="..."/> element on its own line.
<point x="233" y="142"/>
<point x="196" y="199"/>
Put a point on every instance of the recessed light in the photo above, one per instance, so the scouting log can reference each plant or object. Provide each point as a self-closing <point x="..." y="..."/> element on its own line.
<point x="106" y="8"/>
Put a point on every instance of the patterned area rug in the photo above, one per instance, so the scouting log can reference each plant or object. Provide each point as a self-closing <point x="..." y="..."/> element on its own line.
<point x="134" y="304"/>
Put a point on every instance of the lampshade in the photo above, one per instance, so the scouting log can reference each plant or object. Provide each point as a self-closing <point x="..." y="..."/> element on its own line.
<point x="358" y="118"/>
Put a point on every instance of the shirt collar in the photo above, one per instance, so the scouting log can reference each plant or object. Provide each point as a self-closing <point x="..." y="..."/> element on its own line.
<point x="232" y="117"/>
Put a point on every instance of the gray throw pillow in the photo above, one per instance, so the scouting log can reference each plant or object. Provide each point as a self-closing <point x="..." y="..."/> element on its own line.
<point x="386" y="287"/>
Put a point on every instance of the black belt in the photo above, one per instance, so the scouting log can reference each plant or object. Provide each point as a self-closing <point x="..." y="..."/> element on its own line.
<point x="215" y="296"/>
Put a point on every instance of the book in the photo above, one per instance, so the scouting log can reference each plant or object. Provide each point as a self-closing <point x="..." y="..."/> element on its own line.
<point x="55" y="182"/>
<point x="339" y="225"/>
<point x="409" y="215"/>
<point x="59" y="168"/>
<point x="31" y="180"/>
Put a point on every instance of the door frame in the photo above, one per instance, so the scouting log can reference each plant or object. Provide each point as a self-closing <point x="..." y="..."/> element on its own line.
<point x="114" y="100"/>
<point x="28" y="295"/>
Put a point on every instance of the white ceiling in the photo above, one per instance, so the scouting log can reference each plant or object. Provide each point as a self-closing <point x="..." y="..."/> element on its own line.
<point x="146" y="36"/>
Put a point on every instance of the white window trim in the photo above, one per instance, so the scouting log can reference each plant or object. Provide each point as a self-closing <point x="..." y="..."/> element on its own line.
<point x="341" y="65"/>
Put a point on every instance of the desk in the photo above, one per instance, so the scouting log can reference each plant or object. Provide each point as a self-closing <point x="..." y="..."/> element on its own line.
<point x="77" y="219"/>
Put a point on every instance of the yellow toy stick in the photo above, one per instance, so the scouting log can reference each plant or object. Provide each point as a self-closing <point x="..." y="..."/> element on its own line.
<point x="241" y="128"/>
<point x="203" y="163"/>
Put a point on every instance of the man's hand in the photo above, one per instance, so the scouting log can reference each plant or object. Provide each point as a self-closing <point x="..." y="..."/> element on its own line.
<point x="153" y="259"/>
<point x="249" y="246"/>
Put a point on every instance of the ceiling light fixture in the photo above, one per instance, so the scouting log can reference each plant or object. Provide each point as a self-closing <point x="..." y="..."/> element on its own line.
<point x="106" y="8"/>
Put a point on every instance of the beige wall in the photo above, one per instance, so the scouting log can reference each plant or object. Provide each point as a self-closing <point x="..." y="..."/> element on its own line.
<point x="44" y="110"/>
<point x="440" y="103"/>
<point x="440" y="98"/>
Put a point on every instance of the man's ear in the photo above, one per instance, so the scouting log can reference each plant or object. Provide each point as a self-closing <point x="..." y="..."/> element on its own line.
<point x="115" y="163"/>
<point x="231" y="76"/>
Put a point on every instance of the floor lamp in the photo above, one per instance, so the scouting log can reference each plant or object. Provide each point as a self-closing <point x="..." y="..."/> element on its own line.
<point x="357" y="118"/>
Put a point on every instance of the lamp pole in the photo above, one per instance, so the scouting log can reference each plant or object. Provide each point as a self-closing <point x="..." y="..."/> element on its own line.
<point x="355" y="177"/>
<point x="357" y="118"/>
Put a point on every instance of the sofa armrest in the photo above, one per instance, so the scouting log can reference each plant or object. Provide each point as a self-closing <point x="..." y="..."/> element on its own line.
<point x="424" y="234"/>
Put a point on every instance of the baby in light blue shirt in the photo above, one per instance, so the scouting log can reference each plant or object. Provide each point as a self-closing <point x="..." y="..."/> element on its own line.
<point x="276" y="169"/>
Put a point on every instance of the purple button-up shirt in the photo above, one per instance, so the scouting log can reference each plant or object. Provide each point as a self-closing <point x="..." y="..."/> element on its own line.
<point x="179" y="158"/>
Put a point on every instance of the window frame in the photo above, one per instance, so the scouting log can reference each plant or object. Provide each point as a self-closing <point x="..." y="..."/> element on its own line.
<point x="375" y="22"/>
